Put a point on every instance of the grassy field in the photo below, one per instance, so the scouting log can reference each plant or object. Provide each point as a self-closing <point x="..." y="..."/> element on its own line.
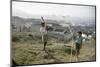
<point x="27" y="48"/>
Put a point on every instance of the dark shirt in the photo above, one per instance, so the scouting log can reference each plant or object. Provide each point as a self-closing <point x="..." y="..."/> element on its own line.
<point x="78" y="39"/>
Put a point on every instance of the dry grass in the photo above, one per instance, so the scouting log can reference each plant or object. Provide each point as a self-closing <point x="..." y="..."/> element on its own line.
<point x="27" y="49"/>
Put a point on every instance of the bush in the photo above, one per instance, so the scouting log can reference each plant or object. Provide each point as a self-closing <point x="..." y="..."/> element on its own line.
<point x="15" y="39"/>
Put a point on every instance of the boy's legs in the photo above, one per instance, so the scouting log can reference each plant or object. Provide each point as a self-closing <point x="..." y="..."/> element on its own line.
<point x="77" y="49"/>
<point x="45" y="41"/>
<point x="44" y="45"/>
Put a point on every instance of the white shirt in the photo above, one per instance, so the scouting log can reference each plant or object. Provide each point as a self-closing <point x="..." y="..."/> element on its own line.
<point x="43" y="30"/>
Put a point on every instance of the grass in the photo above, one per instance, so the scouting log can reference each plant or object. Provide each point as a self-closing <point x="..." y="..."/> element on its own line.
<point x="27" y="49"/>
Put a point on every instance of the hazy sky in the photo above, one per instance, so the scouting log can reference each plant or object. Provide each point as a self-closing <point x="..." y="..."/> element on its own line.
<point x="26" y="9"/>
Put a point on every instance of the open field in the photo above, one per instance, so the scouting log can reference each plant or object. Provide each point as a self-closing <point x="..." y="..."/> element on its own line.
<point x="27" y="48"/>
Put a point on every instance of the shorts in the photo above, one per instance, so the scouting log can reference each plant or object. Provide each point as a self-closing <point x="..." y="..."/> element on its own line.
<point x="78" y="46"/>
<point x="44" y="38"/>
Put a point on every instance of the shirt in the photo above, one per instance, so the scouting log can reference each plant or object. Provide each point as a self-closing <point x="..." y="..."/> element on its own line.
<point x="78" y="40"/>
<point x="43" y="33"/>
<point x="43" y="30"/>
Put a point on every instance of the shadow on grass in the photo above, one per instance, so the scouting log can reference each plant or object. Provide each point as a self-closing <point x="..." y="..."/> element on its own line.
<point x="52" y="56"/>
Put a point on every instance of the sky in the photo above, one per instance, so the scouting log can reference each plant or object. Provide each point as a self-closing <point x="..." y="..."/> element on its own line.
<point x="27" y="9"/>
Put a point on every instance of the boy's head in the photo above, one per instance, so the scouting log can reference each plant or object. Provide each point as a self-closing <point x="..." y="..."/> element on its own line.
<point x="79" y="33"/>
<point x="42" y="24"/>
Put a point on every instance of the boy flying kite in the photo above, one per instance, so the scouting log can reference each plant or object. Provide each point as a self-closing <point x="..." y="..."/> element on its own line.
<point x="43" y="30"/>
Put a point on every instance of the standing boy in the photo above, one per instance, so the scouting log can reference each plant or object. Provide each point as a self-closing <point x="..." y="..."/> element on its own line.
<point x="43" y="30"/>
<point x="78" y="43"/>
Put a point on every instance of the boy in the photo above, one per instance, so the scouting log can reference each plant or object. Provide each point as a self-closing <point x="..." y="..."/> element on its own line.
<point x="78" y="43"/>
<point x="43" y="30"/>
